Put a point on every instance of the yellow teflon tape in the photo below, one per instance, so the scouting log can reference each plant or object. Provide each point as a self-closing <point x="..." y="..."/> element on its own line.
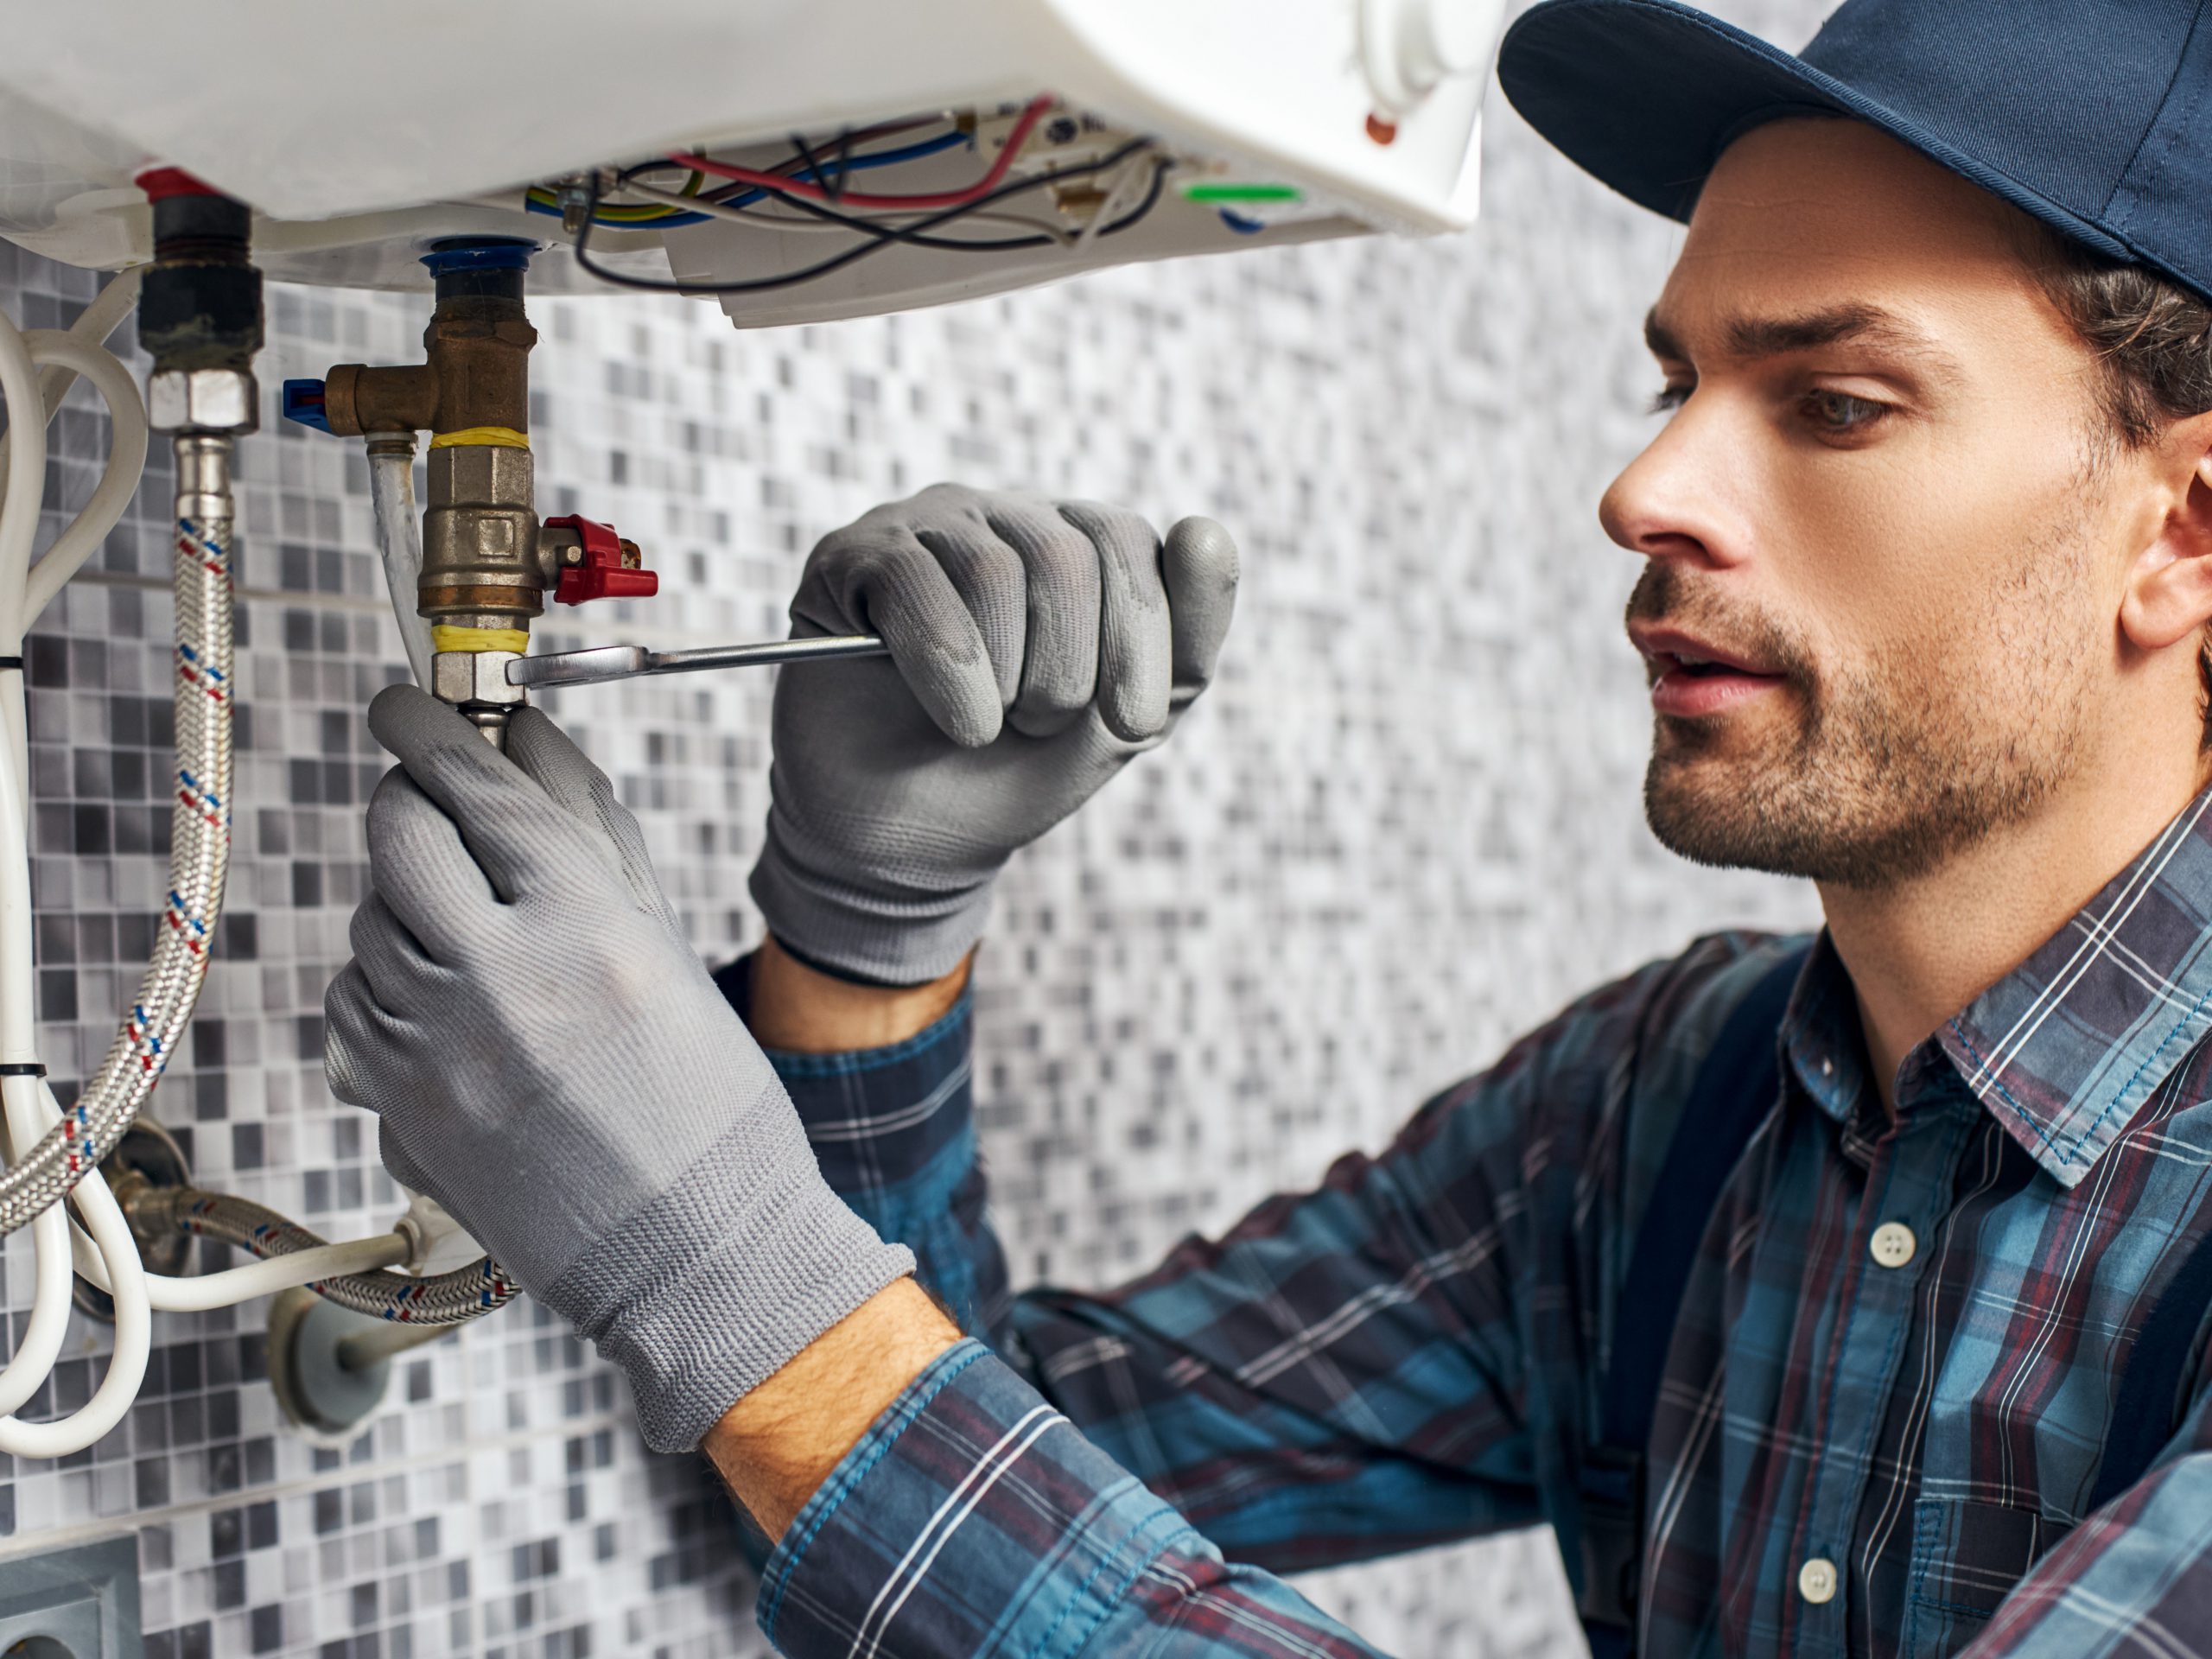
<point x="481" y="437"/>
<point x="446" y="639"/>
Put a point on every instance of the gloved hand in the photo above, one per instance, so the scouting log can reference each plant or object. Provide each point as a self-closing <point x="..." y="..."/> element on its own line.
<point x="549" y="1060"/>
<point x="1035" y="646"/>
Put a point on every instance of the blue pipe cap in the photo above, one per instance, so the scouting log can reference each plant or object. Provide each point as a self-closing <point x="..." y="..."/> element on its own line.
<point x="479" y="253"/>
<point x="303" y="402"/>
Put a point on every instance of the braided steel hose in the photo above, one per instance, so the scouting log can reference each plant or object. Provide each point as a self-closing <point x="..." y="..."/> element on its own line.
<point x="200" y="846"/>
<point x="443" y="1299"/>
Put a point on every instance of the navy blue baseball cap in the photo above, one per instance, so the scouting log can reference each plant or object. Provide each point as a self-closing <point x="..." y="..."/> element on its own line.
<point x="2094" y="116"/>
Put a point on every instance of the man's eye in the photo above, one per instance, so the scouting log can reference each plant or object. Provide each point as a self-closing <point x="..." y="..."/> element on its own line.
<point x="1839" y="411"/>
<point x="1670" y="398"/>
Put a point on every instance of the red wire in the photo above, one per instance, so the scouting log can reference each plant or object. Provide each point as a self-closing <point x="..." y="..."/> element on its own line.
<point x="1030" y="117"/>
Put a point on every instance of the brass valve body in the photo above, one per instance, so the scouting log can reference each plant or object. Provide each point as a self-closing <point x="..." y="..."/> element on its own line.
<point x="481" y="564"/>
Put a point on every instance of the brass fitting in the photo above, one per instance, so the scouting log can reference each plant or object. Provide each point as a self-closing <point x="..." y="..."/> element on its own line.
<point x="477" y="374"/>
<point x="481" y="564"/>
<point x="481" y="568"/>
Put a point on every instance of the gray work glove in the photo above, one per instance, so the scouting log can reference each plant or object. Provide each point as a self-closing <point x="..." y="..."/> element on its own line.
<point x="1036" y="646"/>
<point x="549" y="1061"/>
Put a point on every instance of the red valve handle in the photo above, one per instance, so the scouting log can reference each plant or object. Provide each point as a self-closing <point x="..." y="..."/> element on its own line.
<point x="602" y="575"/>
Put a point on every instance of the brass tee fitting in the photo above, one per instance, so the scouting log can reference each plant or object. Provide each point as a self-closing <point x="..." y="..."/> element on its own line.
<point x="481" y="572"/>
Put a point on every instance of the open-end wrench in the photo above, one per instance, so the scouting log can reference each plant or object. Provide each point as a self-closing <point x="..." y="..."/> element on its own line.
<point x="601" y="663"/>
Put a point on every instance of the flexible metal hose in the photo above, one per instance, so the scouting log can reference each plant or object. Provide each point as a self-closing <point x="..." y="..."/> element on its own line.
<point x="199" y="863"/>
<point x="442" y="1299"/>
<point x="200" y="846"/>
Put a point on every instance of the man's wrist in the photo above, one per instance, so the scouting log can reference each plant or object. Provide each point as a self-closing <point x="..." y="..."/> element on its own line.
<point x="802" y="1010"/>
<point x="780" y="1442"/>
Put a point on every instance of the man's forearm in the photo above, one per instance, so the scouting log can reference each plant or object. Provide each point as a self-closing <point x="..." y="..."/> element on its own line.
<point x="776" y="1446"/>
<point x="802" y="1011"/>
<point x="779" y="1443"/>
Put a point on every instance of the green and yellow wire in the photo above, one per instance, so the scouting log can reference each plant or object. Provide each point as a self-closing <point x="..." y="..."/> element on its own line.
<point x="611" y="213"/>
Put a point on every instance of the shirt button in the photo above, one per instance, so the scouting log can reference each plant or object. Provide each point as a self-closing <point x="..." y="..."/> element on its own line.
<point x="1816" y="1580"/>
<point x="1892" y="1245"/>
<point x="1828" y="1068"/>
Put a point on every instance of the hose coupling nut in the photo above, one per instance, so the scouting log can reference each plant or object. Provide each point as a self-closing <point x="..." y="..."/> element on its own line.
<point x="461" y="677"/>
<point x="203" y="400"/>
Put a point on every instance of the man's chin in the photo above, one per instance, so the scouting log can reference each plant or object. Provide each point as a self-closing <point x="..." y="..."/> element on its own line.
<point x="1714" y="811"/>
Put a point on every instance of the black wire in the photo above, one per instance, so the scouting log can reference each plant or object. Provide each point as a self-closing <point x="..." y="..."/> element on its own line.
<point x="913" y="234"/>
<point x="844" y="162"/>
<point x="830" y="188"/>
<point x="883" y="236"/>
<point x="872" y="227"/>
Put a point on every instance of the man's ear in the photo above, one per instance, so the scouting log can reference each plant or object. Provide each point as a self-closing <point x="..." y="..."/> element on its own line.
<point x="2169" y="596"/>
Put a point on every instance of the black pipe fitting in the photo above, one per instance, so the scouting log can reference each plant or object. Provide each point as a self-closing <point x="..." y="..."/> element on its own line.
<point x="200" y="306"/>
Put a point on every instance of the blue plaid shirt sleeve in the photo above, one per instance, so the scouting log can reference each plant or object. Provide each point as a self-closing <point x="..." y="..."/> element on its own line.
<point x="1347" y="1373"/>
<point x="972" y="1518"/>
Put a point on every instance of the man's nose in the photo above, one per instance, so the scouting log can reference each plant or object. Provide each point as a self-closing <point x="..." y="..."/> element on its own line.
<point x="1680" y="498"/>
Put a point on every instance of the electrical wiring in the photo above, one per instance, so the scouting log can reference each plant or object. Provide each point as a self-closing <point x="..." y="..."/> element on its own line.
<point x="678" y="213"/>
<point x="1031" y="115"/>
<point x="828" y="223"/>
<point x="884" y="236"/>
<point x="738" y="194"/>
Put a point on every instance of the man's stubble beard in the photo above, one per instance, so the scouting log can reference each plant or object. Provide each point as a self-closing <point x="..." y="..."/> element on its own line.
<point x="1896" y="764"/>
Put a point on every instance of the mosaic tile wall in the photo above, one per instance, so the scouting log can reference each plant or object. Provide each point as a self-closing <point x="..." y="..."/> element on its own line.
<point x="1403" y="827"/>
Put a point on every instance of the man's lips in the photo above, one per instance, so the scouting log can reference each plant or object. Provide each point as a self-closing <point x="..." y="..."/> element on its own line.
<point x="1692" y="678"/>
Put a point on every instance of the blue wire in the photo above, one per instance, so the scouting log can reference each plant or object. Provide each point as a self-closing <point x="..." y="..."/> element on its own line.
<point x="854" y="164"/>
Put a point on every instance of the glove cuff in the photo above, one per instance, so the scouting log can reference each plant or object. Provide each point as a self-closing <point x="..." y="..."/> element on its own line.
<point x="866" y="934"/>
<point x="717" y="1284"/>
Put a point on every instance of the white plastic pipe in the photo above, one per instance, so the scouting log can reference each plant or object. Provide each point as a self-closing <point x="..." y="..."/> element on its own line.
<point x="25" y="449"/>
<point x="399" y="541"/>
<point x="242" y="1284"/>
<point x="127" y="461"/>
<point x="29" y="1118"/>
<point x="134" y="1337"/>
<point x="94" y="325"/>
<point x="23" y="1097"/>
<point x="19" y="508"/>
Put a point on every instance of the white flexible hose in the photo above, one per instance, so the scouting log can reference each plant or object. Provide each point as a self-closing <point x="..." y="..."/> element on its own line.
<point x="27" y="1118"/>
<point x="36" y="370"/>
<point x="242" y="1284"/>
<point x="127" y="461"/>
<point x="94" y="325"/>
<point x="134" y="1336"/>
<point x="399" y="540"/>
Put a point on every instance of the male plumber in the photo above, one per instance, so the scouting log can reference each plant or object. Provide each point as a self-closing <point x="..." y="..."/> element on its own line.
<point x="1843" y="1295"/>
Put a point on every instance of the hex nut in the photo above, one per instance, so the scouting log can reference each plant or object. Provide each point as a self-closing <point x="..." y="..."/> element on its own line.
<point x="203" y="400"/>
<point x="460" y="677"/>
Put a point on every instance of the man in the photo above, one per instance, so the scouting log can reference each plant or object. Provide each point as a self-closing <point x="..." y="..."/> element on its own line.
<point x="1910" y="1217"/>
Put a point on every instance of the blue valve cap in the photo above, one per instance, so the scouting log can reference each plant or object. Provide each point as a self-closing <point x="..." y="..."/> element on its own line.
<point x="303" y="403"/>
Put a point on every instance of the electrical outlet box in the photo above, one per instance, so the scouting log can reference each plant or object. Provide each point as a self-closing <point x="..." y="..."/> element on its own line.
<point x="80" y="1603"/>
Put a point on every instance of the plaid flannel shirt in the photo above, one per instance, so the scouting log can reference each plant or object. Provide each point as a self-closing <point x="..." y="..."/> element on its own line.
<point x="1882" y="1413"/>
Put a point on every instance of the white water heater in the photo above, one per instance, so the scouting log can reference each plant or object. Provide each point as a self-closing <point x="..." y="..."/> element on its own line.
<point x="363" y="135"/>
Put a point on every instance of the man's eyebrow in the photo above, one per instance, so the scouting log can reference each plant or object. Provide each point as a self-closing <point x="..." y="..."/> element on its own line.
<point x="1862" y="324"/>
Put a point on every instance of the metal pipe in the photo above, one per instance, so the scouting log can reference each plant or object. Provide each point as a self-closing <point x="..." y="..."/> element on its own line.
<point x="200" y="846"/>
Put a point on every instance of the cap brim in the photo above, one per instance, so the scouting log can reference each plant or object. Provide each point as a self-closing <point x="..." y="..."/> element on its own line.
<point x="1645" y="95"/>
